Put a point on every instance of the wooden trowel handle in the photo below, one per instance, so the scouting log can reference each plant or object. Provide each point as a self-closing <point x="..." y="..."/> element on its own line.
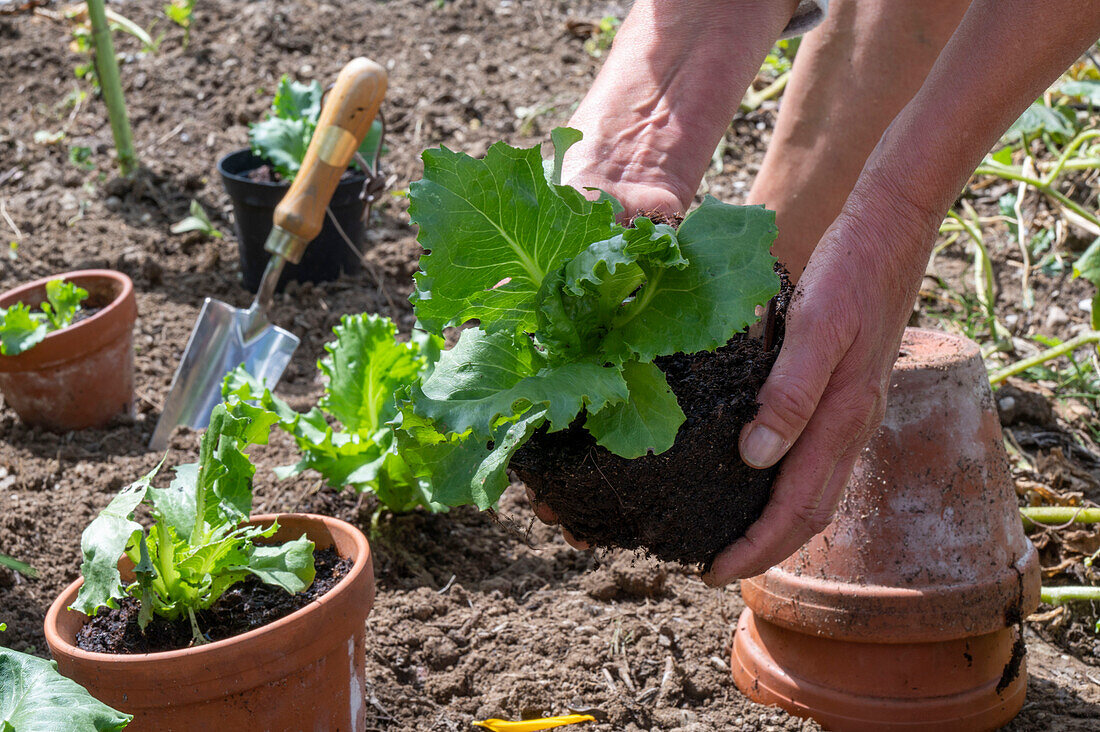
<point x="346" y="117"/>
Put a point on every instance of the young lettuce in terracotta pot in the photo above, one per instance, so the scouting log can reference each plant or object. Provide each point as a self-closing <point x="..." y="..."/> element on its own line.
<point x="66" y="349"/>
<point x="211" y="619"/>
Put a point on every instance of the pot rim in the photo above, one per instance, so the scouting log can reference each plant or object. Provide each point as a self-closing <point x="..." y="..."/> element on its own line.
<point x="51" y="350"/>
<point x="301" y="616"/>
<point x="357" y="178"/>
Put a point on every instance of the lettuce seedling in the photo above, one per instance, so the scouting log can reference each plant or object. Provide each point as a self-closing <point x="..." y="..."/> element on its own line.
<point x="22" y="328"/>
<point x="363" y="370"/>
<point x="35" y="697"/>
<point x="571" y="307"/>
<point x="283" y="137"/>
<point x="196" y="548"/>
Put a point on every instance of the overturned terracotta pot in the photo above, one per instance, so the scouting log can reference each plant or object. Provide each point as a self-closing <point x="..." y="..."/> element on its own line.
<point x="305" y="671"/>
<point x="81" y="376"/>
<point x="904" y="613"/>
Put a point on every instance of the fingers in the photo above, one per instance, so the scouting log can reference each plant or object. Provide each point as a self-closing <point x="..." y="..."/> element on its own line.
<point x="573" y="541"/>
<point x="546" y="515"/>
<point x="807" y="491"/>
<point x="791" y="394"/>
<point x="543" y="512"/>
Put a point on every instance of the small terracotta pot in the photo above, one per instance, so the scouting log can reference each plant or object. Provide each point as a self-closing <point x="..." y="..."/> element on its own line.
<point x="902" y="614"/>
<point x="305" y="671"/>
<point x="81" y="376"/>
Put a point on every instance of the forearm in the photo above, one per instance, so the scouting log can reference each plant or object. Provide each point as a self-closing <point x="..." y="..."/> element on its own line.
<point x="669" y="88"/>
<point x="1004" y="54"/>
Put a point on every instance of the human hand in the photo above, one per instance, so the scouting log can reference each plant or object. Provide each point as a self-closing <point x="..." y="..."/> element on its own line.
<point x="825" y="395"/>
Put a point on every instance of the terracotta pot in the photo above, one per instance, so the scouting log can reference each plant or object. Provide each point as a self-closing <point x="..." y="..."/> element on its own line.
<point x="81" y="376"/>
<point x="902" y="614"/>
<point x="305" y="671"/>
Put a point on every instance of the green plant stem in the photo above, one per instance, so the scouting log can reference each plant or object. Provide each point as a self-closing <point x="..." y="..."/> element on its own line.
<point x="111" y="86"/>
<point x="1059" y="515"/>
<point x="1041" y="185"/>
<point x="1091" y="336"/>
<point x="1062" y="595"/>
<point x="985" y="284"/>
<point x="1070" y="149"/>
<point x="197" y="638"/>
<point x="17" y="566"/>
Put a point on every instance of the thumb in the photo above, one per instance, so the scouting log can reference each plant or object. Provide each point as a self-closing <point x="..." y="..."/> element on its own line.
<point x="787" y="401"/>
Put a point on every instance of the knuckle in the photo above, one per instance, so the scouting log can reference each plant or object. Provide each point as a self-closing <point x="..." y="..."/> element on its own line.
<point x="790" y="401"/>
<point x="813" y="518"/>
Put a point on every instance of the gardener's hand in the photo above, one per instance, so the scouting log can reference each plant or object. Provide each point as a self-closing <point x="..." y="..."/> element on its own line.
<point x="826" y="393"/>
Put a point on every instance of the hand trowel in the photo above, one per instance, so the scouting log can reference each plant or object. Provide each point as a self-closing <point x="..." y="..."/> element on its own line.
<point x="225" y="337"/>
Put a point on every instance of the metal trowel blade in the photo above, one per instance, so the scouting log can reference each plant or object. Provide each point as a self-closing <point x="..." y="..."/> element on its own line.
<point x="224" y="337"/>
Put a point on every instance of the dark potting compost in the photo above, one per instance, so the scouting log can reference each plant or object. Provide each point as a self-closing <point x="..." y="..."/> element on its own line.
<point x="246" y="606"/>
<point x="689" y="502"/>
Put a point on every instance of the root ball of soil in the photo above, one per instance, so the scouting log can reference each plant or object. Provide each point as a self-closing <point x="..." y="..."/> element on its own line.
<point x="689" y="502"/>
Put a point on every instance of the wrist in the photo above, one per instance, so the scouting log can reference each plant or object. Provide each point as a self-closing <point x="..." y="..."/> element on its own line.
<point x="669" y="89"/>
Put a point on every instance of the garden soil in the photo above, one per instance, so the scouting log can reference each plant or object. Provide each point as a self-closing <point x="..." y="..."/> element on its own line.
<point x="477" y="615"/>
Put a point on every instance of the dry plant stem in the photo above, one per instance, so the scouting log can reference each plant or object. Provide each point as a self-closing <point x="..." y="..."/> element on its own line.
<point x="109" y="83"/>
<point x="753" y="99"/>
<point x="985" y="284"/>
<point x="1043" y="515"/>
<point x="1090" y="336"/>
<point x="1062" y="595"/>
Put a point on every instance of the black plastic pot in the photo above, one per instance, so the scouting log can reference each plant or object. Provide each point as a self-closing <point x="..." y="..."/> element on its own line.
<point x="254" y="207"/>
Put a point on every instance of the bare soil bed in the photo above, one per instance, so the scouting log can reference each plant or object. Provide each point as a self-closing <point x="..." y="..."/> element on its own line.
<point x="477" y="615"/>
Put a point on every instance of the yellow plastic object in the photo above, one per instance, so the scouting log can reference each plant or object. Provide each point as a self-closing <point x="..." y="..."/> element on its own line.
<point x="533" y="725"/>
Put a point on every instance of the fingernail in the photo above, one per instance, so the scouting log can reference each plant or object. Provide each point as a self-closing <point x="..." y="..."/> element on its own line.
<point x="762" y="447"/>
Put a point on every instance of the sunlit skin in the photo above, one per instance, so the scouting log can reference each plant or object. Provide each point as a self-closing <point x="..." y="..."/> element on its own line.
<point x="891" y="106"/>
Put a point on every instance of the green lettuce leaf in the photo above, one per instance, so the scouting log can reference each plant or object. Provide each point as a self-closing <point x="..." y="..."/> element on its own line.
<point x="35" y="697"/>
<point x="288" y="565"/>
<point x="464" y="468"/>
<point x="493" y="229"/>
<point x="295" y="100"/>
<point x="62" y="302"/>
<point x="365" y="367"/>
<point x="281" y="142"/>
<point x="700" y="306"/>
<point x="20" y="329"/>
<point x="104" y="541"/>
<point x="488" y="376"/>
<point x="647" y="422"/>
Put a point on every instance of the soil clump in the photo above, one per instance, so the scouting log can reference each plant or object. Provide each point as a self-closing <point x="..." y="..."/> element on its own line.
<point x="689" y="502"/>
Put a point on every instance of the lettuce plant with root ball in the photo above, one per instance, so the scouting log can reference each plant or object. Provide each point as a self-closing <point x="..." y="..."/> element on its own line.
<point x="572" y="309"/>
<point x="196" y="548"/>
